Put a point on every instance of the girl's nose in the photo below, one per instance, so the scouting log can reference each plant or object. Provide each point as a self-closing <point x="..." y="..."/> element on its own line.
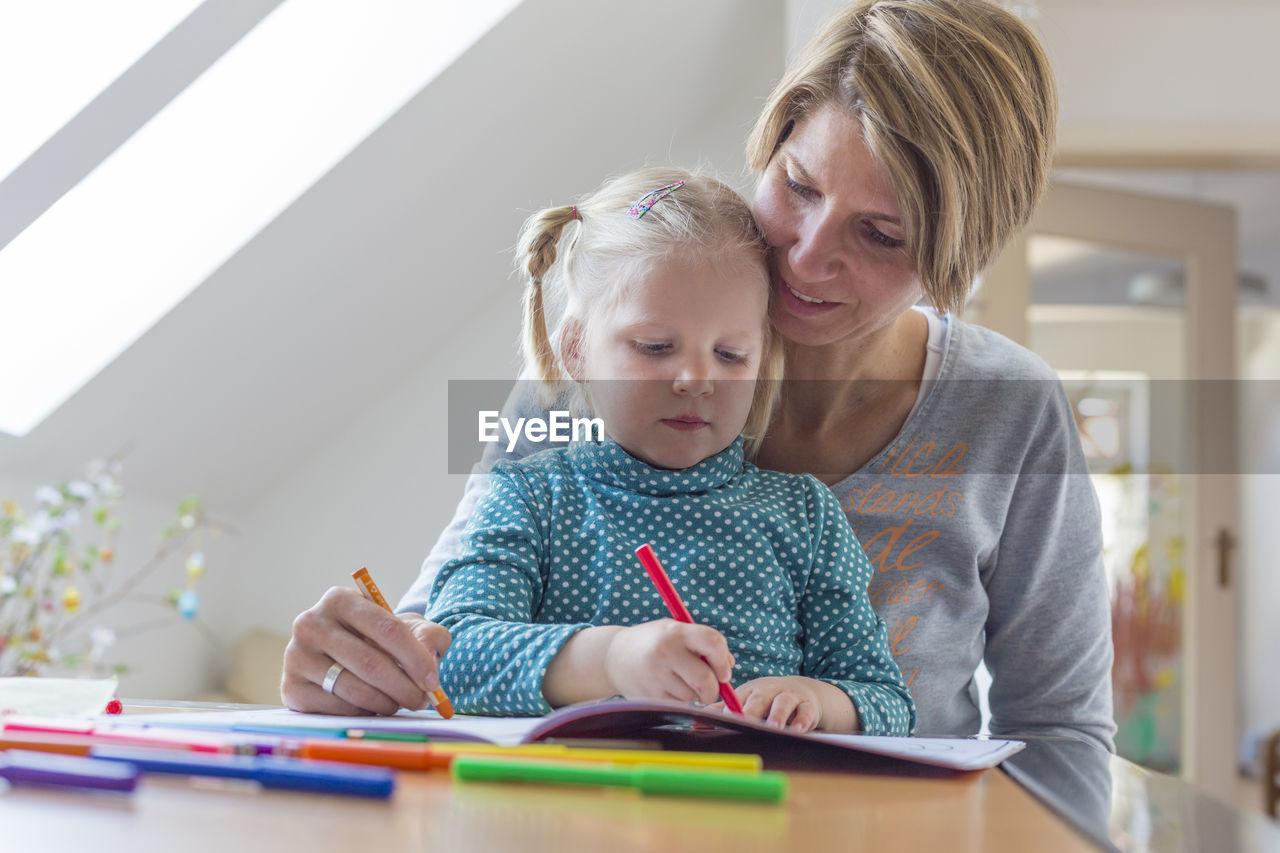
<point x="693" y="378"/>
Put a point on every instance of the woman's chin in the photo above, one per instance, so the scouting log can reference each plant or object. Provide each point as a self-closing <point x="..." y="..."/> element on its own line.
<point x="804" y="331"/>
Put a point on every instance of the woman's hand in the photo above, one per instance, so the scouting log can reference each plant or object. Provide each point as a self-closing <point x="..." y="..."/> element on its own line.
<point x="390" y="662"/>
<point x="666" y="659"/>
<point x="798" y="703"/>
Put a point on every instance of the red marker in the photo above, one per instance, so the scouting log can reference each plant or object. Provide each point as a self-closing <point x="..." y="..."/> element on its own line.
<point x="679" y="612"/>
<point x="66" y="731"/>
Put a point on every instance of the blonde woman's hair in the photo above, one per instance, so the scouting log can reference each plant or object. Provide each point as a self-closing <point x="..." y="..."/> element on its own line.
<point x="577" y="260"/>
<point x="956" y="101"/>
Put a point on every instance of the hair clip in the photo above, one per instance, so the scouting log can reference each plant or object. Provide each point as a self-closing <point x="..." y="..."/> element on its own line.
<point x="641" y="207"/>
<point x="573" y="213"/>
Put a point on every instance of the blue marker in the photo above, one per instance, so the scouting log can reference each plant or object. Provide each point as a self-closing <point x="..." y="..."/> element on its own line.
<point x="267" y="770"/>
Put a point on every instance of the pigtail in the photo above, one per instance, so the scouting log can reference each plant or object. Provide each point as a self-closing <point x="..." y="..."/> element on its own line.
<point x="536" y="254"/>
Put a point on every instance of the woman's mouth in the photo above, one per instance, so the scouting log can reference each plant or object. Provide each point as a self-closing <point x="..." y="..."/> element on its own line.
<point x="802" y="304"/>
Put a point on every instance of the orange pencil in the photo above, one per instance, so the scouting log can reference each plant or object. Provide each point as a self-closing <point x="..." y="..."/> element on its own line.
<point x="439" y="700"/>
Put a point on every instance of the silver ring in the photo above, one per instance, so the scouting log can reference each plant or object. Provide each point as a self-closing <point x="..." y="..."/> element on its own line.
<point x="331" y="677"/>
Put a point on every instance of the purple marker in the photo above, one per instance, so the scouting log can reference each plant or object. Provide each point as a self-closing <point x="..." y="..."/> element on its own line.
<point x="26" y="767"/>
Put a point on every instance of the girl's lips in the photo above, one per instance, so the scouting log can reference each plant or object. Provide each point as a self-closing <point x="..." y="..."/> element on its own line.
<point x="685" y="424"/>
<point x="799" y="306"/>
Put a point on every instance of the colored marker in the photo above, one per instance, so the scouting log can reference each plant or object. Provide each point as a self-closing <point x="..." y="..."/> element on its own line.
<point x="564" y="752"/>
<point x="439" y="756"/>
<point x="47" y="742"/>
<point x="15" y="726"/>
<point x="767" y="786"/>
<point x="439" y="700"/>
<point x="285" y="731"/>
<point x="399" y="756"/>
<point x="267" y="770"/>
<point x="20" y="767"/>
<point x="375" y="734"/>
<point x="679" y="612"/>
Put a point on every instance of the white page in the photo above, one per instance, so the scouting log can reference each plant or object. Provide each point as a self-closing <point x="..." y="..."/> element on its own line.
<point x="960" y="753"/>
<point x="500" y="730"/>
<point x="56" y="697"/>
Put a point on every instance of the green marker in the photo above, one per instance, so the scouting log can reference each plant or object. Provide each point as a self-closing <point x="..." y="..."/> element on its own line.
<point x="767" y="786"/>
<point x="374" y="734"/>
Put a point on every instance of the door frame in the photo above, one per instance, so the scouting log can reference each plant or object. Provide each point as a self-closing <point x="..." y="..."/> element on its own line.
<point x="1203" y="236"/>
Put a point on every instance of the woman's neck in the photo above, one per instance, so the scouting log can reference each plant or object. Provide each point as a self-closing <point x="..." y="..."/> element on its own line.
<point x="842" y="404"/>
<point x="892" y="354"/>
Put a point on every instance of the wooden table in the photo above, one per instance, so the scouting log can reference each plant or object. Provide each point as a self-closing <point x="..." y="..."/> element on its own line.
<point x="889" y="807"/>
<point x="983" y="811"/>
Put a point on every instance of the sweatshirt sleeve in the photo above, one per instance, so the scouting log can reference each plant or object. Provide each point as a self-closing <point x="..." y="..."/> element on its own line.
<point x="1048" y="627"/>
<point x="487" y="597"/>
<point x="522" y="402"/>
<point x="845" y="642"/>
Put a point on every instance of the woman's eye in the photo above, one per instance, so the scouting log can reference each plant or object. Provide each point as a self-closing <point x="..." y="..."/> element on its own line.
<point x="650" y="349"/>
<point x="882" y="238"/>
<point x="799" y="189"/>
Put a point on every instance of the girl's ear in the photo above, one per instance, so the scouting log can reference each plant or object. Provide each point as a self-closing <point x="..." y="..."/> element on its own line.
<point x="571" y="349"/>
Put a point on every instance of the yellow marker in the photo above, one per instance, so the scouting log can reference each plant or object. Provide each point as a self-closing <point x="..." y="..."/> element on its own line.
<point x="439" y="700"/>
<point x="563" y="752"/>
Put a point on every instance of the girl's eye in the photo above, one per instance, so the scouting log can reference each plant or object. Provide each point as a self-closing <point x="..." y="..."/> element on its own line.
<point x="878" y="236"/>
<point x="731" y="357"/>
<point x="650" y="349"/>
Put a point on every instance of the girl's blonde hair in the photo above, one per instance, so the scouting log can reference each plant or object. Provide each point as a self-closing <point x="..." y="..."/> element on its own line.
<point x="956" y="100"/>
<point x="578" y="259"/>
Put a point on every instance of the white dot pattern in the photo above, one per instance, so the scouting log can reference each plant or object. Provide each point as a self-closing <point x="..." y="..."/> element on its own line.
<point x="768" y="559"/>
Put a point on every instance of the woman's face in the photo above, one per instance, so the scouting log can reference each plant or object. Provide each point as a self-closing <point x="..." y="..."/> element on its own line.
<point x="840" y="267"/>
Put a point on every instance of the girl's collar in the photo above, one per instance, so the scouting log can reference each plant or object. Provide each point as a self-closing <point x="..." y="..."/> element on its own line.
<point x="607" y="462"/>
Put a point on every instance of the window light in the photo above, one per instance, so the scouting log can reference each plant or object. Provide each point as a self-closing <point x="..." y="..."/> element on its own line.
<point x="205" y="175"/>
<point x="56" y="57"/>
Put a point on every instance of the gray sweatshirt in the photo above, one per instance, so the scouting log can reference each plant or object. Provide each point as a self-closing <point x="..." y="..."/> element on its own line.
<point x="982" y="526"/>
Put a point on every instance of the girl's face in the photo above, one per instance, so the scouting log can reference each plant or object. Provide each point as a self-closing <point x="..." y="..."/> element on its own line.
<point x="829" y="212"/>
<point x="671" y="369"/>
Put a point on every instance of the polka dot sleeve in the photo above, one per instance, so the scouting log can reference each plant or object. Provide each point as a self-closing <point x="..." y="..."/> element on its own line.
<point x="846" y="643"/>
<point x="487" y="598"/>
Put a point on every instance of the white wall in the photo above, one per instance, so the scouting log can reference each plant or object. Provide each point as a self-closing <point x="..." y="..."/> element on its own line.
<point x="1144" y="61"/>
<point x="1192" y="61"/>
<point x="377" y="495"/>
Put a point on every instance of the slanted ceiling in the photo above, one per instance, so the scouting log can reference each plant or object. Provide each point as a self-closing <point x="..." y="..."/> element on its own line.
<point x="366" y="275"/>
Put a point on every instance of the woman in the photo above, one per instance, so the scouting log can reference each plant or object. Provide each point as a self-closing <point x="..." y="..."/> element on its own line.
<point x="903" y="148"/>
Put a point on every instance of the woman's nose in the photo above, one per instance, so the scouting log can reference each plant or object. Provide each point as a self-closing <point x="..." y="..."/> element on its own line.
<point x="816" y="253"/>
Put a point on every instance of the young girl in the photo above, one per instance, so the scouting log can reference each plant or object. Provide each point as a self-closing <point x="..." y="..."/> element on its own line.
<point x="649" y="301"/>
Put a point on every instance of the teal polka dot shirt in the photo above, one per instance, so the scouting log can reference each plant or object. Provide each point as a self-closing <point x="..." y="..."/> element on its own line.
<point x="766" y="558"/>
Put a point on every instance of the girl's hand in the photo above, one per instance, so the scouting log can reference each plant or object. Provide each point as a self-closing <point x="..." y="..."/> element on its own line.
<point x="791" y="702"/>
<point x="666" y="659"/>
<point x="388" y="660"/>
